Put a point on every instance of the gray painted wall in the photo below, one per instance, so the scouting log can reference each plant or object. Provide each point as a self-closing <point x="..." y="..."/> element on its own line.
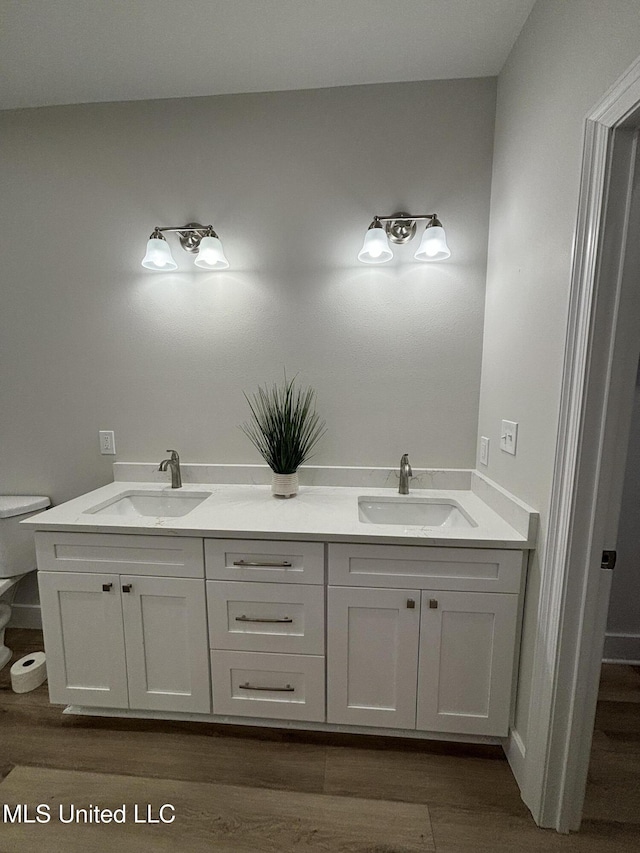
<point x="290" y="181"/>
<point x="566" y="57"/>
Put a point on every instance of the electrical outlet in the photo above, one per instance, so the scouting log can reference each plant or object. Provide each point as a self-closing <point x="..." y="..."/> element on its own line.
<point x="484" y="450"/>
<point x="509" y="437"/>
<point x="107" y="442"/>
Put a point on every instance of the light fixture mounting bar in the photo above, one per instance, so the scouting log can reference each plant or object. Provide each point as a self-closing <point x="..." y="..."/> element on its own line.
<point x="191" y="234"/>
<point x="191" y="227"/>
<point x="405" y="217"/>
<point x="401" y="226"/>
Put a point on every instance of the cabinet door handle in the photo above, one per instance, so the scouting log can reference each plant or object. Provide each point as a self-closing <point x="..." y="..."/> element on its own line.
<point x="433" y="603"/>
<point x="244" y="618"/>
<point x="283" y="564"/>
<point x="411" y="604"/>
<point x="287" y="689"/>
<point x="126" y="587"/>
<point x="106" y="587"/>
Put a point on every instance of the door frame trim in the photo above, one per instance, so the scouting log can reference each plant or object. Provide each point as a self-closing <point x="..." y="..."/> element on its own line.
<point x="568" y="646"/>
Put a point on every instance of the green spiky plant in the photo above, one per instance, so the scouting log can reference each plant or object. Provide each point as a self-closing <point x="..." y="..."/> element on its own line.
<point x="284" y="426"/>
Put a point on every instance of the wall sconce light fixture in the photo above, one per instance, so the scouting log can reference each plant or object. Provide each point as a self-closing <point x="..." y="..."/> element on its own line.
<point x="400" y="228"/>
<point x="197" y="239"/>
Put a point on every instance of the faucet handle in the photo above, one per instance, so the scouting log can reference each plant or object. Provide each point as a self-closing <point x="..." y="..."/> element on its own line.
<point x="174" y="455"/>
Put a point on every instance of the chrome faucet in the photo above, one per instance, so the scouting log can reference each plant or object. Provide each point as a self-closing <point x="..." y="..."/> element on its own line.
<point x="174" y="464"/>
<point x="405" y="473"/>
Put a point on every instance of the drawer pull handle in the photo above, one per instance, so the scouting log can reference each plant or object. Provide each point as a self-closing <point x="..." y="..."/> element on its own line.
<point x="287" y="689"/>
<point x="283" y="564"/>
<point x="433" y="603"/>
<point x="244" y="618"/>
<point x="126" y="587"/>
<point x="411" y="604"/>
<point x="106" y="587"/>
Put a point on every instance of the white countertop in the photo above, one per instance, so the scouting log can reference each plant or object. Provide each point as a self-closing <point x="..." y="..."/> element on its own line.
<point x="321" y="513"/>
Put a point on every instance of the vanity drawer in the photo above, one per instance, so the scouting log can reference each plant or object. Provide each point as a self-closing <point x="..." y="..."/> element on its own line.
<point x="266" y="617"/>
<point x="164" y="556"/>
<point x="281" y="687"/>
<point x="263" y="560"/>
<point x="406" y="566"/>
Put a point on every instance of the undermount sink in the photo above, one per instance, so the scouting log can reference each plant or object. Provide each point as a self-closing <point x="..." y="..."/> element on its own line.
<point x="143" y="504"/>
<point x="410" y="510"/>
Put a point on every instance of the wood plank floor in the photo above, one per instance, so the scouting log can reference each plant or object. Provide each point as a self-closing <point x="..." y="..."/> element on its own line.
<point x="205" y="816"/>
<point x="470" y="800"/>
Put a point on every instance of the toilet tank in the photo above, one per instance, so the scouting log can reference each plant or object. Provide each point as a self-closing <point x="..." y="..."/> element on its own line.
<point x="17" y="549"/>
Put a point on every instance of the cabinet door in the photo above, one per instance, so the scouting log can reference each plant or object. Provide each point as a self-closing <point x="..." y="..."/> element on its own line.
<point x="372" y="656"/>
<point x="467" y="647"/>
<point x="165" y="625"/>
<point x="84" y="639"/>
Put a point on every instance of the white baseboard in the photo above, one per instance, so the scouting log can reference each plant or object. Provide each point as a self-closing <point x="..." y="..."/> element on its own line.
<point x="25" y="616"/>
<point x="515" y="751"/>
<point x="621" y="648"/>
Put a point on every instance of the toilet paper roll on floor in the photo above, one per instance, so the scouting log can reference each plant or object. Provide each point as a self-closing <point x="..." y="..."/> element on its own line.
<point x="29" y="672"/>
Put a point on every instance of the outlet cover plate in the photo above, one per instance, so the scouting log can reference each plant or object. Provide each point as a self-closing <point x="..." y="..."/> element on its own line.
<point x="107" y="442"/>
<point x="509" y="437"/>
<point x="484" y="450"/>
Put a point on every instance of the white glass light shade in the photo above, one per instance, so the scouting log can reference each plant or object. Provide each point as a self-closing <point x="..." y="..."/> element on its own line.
<point x="433" y="246"/>
<point x="211" y="255"/>
<point x="159" y="256"/>
<point x="375" y="249"/>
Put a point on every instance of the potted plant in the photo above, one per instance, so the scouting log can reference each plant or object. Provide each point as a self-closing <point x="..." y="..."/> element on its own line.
<point x="285" y="428"/>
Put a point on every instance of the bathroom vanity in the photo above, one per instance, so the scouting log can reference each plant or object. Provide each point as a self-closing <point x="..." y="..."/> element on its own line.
<point x="299" y="613"/>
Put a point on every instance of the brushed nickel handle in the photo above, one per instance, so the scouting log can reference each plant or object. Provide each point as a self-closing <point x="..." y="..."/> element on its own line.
<point x="280" y="565"/>
<point x="287" y="689"/>
<point x="433" y="603"/>
<point x="126" y="587"/>
<point x="106" y="587"/>
<point x="244" y="618"/>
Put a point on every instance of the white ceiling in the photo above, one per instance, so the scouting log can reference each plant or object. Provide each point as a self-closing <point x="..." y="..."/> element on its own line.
<point x="78" y="51"/>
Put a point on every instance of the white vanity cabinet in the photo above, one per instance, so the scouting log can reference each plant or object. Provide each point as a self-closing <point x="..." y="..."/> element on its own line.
<point x="409" y="638"/>
<point x="421" y="655"/>
<point x="120" y="630"/>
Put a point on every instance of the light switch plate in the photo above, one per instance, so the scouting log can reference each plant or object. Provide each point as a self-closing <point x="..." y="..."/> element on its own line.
<point x="107" y="442"/>
<point x="484" y="450"/>
<point x="509" y="437"/>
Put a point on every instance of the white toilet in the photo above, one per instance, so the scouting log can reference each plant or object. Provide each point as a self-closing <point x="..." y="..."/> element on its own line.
<point x="17" y="553"/>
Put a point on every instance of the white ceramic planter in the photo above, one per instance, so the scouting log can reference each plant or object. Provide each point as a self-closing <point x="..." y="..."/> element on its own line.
<point x="284" y="485"/>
